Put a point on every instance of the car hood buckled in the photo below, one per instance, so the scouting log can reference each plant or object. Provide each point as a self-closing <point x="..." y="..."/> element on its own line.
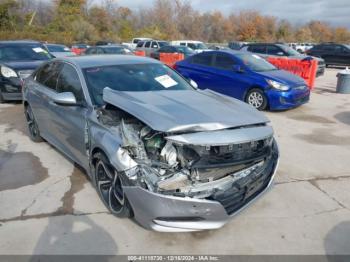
<point x="185" y="110"/>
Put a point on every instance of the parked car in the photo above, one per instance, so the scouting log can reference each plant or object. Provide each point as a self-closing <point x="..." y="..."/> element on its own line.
<point x="57" y="50"/>
<point x="78" y="49"/>
<point x="197" y="46"/>
<point x="303" y="47"/>
<point x="108" y="49"/>
<point x="173" y="157"/>
<point x="173" y="49"/>
<point x="218" y="47"/>
<point x="236" y="45"/>
<point x="135" y="41"/>
<point x="18" y="59"/>
<point x="333" y="54"/>
<point x="105" y="42"/>
<point x="150" y="46"/>
<point x="247" y="77"/>
<point x="281" y="50"/>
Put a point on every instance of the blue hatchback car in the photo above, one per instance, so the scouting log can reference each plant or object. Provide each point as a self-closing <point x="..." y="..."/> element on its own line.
<point x="247" y="77"/>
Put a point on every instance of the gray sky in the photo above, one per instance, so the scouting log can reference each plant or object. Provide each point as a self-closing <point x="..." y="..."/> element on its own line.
<point x="335" y="12"/>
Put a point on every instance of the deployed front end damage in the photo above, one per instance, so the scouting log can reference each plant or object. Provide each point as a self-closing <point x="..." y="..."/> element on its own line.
<point x="185" y="181"/>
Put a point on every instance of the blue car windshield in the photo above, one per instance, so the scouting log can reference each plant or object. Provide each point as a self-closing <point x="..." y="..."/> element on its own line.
<point x="23" y="53"/>
<point x="256" y="63"/>
<point x="132" y="78"/>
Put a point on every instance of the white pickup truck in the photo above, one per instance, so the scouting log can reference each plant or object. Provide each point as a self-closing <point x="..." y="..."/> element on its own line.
<point x="134" y="42"/>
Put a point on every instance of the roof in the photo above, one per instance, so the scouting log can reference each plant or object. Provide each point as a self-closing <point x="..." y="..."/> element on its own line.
<point x="54" y="44"/>
<point x="87" y="61"/>
<point x="265" y="44"/>
<point x="188" y="41"/>
<point x="107" y="46"/>
<point x="15" y="42"/>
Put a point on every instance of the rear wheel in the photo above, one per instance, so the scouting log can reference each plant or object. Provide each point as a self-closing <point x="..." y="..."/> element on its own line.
<point x="109" y="187"/>
<point x="33" y="129"/>
<point x="257" y="99"/>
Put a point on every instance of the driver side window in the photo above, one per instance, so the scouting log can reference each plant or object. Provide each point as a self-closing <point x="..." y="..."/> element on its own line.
<point x="68" y="81"/>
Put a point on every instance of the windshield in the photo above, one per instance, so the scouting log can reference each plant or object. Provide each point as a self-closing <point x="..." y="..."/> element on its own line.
<point x="132" y="78"/>
<point x="195" y="46"/>
<point x="116" y="50"/>
<point x="23" y="53"/>
<point x="185" y="50"/>
<point x="161" y="44"/>
<point x="256" y="63"/>
<point x="58" y="48"/>
<point x="290" y="50"/>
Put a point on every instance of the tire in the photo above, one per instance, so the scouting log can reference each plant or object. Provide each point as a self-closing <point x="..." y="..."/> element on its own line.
<point x="109" y="187"/>
<point x="2" y="100"/>
<point x="256" y="98"/>
<point x="33" y="128"/>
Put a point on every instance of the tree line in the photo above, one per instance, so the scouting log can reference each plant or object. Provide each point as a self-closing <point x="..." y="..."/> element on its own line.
<point x="71" y="21"/>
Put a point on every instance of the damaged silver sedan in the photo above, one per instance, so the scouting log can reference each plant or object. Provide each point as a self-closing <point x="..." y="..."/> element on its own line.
<point x="157" y="149"/>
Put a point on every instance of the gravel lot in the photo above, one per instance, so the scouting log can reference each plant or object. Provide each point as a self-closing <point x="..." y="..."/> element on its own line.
<point x="47" y="205"/>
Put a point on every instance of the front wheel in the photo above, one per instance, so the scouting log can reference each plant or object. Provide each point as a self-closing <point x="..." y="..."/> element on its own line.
<point x="257" y="99"/>
<point x="2" y="100"/>
<point x="109" y="187"/>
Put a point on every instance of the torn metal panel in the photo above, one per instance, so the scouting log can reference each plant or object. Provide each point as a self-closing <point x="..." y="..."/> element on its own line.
<point x="224" y="137"/>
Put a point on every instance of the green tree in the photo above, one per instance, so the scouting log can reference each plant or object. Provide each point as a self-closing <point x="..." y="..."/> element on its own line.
<point x="7" y="19"/>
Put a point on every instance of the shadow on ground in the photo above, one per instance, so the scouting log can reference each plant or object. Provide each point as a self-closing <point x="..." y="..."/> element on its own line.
<point x="337" y="241"/>
<point x="75" y="235"/>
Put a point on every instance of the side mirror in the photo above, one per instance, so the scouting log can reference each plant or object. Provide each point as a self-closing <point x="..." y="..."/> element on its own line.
<point x="237" y="68"/>
<point x="65" y="99"/>
<point x="193" y="84"/>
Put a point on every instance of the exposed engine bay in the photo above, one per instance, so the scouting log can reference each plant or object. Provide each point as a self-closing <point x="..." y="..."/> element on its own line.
<point x="189" y="164"/>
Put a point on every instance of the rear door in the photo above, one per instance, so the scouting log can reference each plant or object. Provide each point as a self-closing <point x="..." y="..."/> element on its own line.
<point x="200" y="70"/>
<point x="69" y="122"/>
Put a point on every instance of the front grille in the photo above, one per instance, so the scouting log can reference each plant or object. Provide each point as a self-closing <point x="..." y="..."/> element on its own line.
<point x="236" y="153"/>
<point x="214" y="162"/>
<point x="302" y="100"/>
<point x="247" y="188"/>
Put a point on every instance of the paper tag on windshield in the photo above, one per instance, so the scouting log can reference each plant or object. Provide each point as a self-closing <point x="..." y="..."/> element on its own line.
<point x="166" y="81"/>
<point x="38" y="50"/>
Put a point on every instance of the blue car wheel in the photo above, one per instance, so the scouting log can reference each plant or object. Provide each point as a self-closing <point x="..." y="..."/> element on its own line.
<point x="257" y="99"/>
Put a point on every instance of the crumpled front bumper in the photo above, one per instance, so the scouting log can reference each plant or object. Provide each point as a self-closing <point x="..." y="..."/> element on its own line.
<point x="184" y="214"/>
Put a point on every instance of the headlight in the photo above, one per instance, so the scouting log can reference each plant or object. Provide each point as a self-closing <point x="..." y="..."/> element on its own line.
<point x="277" y="85"/>
<point x="8" y="72"/>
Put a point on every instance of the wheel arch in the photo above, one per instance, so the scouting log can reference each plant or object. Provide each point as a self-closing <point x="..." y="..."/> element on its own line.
<point x="253" y="87"/>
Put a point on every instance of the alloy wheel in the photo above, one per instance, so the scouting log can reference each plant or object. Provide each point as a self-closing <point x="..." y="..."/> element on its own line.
<point x="109" y="185"/>
<point x="32" y="125"/>
<point x="255" y="99"/>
